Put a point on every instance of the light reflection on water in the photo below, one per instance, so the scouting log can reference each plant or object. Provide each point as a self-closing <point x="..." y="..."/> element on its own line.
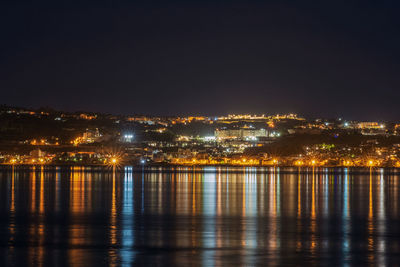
<point x="212" y="218"/>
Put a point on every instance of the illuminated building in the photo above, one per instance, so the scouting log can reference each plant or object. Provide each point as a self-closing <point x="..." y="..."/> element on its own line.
<point x="242" y="133"/>
<point x="370" y="125"/>
<point x="87" y="116"/>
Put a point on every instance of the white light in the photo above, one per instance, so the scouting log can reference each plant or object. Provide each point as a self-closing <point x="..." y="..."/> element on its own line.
<point x="128" y="138"/>
<point x="209" y="138"/>
<point x="251" y="138"/>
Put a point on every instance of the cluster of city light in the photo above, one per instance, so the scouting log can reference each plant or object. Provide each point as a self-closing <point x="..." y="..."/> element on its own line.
<point x="276" y="162"/>
<point x="259" y="117"/>
<point x="116" y="160"/>
<point x="299" y="163"/>
<point x="32" y="161"/>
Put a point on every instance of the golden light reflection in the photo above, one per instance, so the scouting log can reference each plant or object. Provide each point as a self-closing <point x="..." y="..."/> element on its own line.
<point x="299" y="195"/>
<point x="12" y="208"/>
<point x="113" y="218"/>
<point x="41" y="190"/>
<point x="33" y="191"/>
<point x="370" y="221"/>
<point x="12" y="212"/>
<point x="313" y="242"/>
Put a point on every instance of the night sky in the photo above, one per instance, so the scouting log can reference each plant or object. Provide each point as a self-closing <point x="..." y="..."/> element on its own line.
<point x="315" y="58"/>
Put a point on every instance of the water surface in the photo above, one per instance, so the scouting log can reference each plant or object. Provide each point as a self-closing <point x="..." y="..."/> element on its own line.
<point x="248" y="217"/>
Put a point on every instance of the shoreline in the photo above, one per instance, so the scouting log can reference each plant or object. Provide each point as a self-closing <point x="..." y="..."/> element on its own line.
<point x="172" y="168"/>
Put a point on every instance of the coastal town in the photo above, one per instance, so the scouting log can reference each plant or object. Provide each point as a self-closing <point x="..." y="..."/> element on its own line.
<point x="47" y="136"/>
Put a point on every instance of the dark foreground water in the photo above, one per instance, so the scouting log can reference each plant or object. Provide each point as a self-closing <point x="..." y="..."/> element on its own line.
<point x="211" y="218"/>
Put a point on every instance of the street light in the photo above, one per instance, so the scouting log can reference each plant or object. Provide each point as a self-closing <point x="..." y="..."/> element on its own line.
<point x="299" y="163"/>
<point x="114" y="162"/>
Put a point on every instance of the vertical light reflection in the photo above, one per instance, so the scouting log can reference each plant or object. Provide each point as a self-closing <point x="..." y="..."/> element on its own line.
<point x="345" y="219"/>
<point x="273" y="240"/>
<point x="33" y="191"/>
<point x="243" y="193"/>
<point x="41" y="224"/>
<point x="36" y="229"/>
<point x="326" y="195"/>
<point x="278" y="208"/>
<point x="313" y="243"/>
<point x="58" y="190"/>
<point x="88" y="190"/>
<point x="298" y="225"/>
<point x="113" y="223"/>
<point x="325" y="211"/>
<point x="160" y="191"/>
<point x="77" y="191"/>
<point x="250" y="218"/>
<point x="313" y="196"/>
<point x="127" y="225"/>
<point x="76" y="233"/>
<point x="209" y="196"/>
<point x="298" y="194"/>
<point x="370" y="222"/>
<point x="11" y="226"/>
<point x="227" y="179"/>
<point x="261" y="194"/>
<point x="193" y="195"/>
<point x="278" y="193"/>
<point x="290" y="199"/>
<point x="32" y="228"/>
<point x="182" y="203"/>
<point x="142" y="202"/>
<point x="395" y="195"/>
<point x="12" y="206"/>
<point x="219" y="195"/>
<point x="41" y="196"/>
<point x="219" y="217"/>
<point x="381" y="221"/>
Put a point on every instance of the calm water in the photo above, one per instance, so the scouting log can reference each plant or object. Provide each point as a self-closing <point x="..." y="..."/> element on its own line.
<point x="220" y="218"/>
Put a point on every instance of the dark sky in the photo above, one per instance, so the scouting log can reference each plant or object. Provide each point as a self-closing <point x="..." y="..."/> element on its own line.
<point x="315" y="58"/>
